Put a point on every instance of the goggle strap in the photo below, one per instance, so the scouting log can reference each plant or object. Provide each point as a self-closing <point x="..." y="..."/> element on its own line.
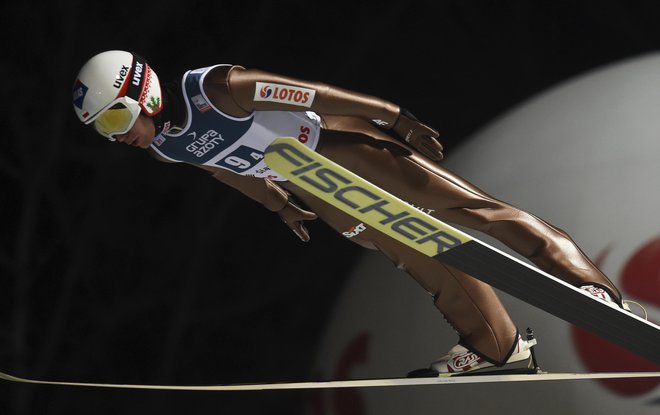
<point x="136" y="78"/>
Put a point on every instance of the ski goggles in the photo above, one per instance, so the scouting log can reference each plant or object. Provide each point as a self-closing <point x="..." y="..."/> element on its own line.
<point x="118" y="118"/>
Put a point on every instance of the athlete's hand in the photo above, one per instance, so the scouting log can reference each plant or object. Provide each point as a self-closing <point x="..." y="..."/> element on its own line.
<point x="293" y="215"/>
<point x="420" y="136"/>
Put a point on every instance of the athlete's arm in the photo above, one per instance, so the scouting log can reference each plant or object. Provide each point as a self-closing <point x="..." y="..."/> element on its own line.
<point x="252" y="89"/>
<point x="269" y="194"/>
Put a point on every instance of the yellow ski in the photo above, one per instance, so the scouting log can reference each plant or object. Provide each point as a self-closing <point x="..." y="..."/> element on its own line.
<point x="383" y="211"/>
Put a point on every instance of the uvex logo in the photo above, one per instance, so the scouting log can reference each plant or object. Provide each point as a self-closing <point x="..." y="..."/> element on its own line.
<point x="119" y="79"/>
<point x="138" y="74"/>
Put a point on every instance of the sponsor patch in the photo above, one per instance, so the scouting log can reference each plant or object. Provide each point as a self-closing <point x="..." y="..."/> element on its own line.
<point x="422" y="209"/>
<point x="79" y="92"/>
<point x="166" y="127"/>
<point x="159" y="140"/>
<point x="201" y="104"/>
<point x="285" y="94"/>
<point x="201" y="145"/>
<point x="465" y="360"/>
<point x="137" y="73"/>
<point x="355" y="231"/>
<point x="121" y="76"/>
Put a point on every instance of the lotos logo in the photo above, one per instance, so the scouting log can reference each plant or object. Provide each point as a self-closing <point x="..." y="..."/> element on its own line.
<point x="285" y="94"/>
<point x="265" y="92"/>
<point x="303" y="137"/>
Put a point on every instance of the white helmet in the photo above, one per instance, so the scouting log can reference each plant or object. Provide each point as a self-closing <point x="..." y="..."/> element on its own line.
<point x="112" y="89"/>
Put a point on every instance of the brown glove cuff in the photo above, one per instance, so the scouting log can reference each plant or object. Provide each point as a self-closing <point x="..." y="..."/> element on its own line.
<point x="378" y="111"/>
<point x="276" y="197"/>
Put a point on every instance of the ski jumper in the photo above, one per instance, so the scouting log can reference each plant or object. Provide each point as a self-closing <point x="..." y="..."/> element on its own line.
<point x="349" y="136"/>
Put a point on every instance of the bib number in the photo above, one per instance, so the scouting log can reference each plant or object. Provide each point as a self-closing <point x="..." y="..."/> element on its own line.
<point x="242" y="159"/>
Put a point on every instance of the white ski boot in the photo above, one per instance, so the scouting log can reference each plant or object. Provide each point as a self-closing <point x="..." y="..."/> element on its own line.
<point x="460" y="360"/>
<point x="604" y="296"/>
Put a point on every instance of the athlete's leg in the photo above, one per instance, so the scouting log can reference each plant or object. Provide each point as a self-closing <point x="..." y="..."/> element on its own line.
<point x="453" y="199"/>
<point x="470" y="306"/>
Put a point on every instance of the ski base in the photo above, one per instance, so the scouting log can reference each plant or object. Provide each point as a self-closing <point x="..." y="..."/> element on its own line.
<point x="363" y="383"/>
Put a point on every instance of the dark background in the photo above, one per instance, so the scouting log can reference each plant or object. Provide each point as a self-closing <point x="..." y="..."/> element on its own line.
<point x="116" y="268"/>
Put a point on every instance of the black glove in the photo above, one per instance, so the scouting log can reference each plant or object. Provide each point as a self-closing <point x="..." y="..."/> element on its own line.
<point x="420" y="136"/>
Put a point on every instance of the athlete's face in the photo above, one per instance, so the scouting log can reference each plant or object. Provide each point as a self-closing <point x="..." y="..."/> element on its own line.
<point x="141" y="134"/>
